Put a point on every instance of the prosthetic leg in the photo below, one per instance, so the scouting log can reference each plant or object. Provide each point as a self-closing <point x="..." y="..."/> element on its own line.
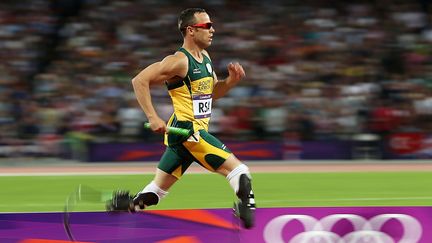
<point x="240" y="180"/>
<point x="122" y="201"/>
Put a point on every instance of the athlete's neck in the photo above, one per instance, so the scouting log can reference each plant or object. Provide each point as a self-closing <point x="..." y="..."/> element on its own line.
<point x="194" y="50"/>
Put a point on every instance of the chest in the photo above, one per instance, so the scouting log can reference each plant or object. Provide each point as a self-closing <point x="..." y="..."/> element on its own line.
<point x="200" y="76"/>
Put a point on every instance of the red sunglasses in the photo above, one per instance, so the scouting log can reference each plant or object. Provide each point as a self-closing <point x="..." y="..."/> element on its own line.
<point x="206" y="26"/>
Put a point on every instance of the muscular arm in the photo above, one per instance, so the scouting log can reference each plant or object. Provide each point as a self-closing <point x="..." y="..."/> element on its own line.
<point x="235" y="74"/>
<point x="170" y="67"/>
<point x="221" y="88"/>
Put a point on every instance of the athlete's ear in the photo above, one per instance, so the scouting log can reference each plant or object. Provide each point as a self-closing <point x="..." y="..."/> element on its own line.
<point x="190" y="30"/>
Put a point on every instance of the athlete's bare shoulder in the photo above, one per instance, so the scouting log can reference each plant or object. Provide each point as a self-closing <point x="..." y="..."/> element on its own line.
<point x="178" y="56"/>
<point x="176" y="63"/>
<point x="176" y="59"/>
<point x="171" y="67"/>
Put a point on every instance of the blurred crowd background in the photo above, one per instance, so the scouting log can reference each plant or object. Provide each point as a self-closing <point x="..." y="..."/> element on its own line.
<point x="315" y="69"/>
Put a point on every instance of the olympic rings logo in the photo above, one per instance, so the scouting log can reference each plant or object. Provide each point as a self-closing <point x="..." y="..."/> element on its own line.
<point x="365" y="231"/>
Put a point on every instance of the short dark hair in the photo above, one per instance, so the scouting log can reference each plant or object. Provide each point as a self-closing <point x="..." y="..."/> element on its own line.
<point x="187" y="17"/>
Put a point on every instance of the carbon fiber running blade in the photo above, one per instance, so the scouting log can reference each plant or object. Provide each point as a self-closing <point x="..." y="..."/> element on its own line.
<point x="89" y="194"/>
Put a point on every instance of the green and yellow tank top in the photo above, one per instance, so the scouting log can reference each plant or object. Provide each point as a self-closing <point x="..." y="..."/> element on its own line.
<point x="191" y="98"/>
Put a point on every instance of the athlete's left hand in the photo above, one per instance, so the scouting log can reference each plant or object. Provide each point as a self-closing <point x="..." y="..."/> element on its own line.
<point x="236" y="73"/>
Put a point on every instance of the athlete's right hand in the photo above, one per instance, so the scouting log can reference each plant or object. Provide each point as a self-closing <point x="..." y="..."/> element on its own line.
<point x="158" y="125"/>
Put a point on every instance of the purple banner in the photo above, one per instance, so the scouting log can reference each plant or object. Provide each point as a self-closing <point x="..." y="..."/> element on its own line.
<point x="257" y="150"/>
<point x="103" y="152"/>
<point x="326" y="150"/>
<point x="291" y="225"/>
<point x="250" y="150"/>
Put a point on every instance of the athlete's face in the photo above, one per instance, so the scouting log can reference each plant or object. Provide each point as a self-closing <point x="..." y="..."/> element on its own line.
<point x="203" y="30"/>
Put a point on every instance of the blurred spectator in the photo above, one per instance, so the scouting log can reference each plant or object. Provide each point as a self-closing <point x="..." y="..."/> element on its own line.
<point x="323" y="70"/>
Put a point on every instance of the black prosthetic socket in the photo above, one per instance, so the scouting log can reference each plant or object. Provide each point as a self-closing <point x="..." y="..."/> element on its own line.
<point x="146" y="199"/>
<point x="245" y="187"/>
<point x="245" y="208"/>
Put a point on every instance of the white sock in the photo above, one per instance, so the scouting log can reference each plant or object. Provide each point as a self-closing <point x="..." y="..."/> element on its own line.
<point x="234" y="176"/>
<point x="152" y="187"/>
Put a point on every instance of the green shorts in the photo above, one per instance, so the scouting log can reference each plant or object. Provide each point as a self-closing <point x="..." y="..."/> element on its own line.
<point x="208" y="151"/>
